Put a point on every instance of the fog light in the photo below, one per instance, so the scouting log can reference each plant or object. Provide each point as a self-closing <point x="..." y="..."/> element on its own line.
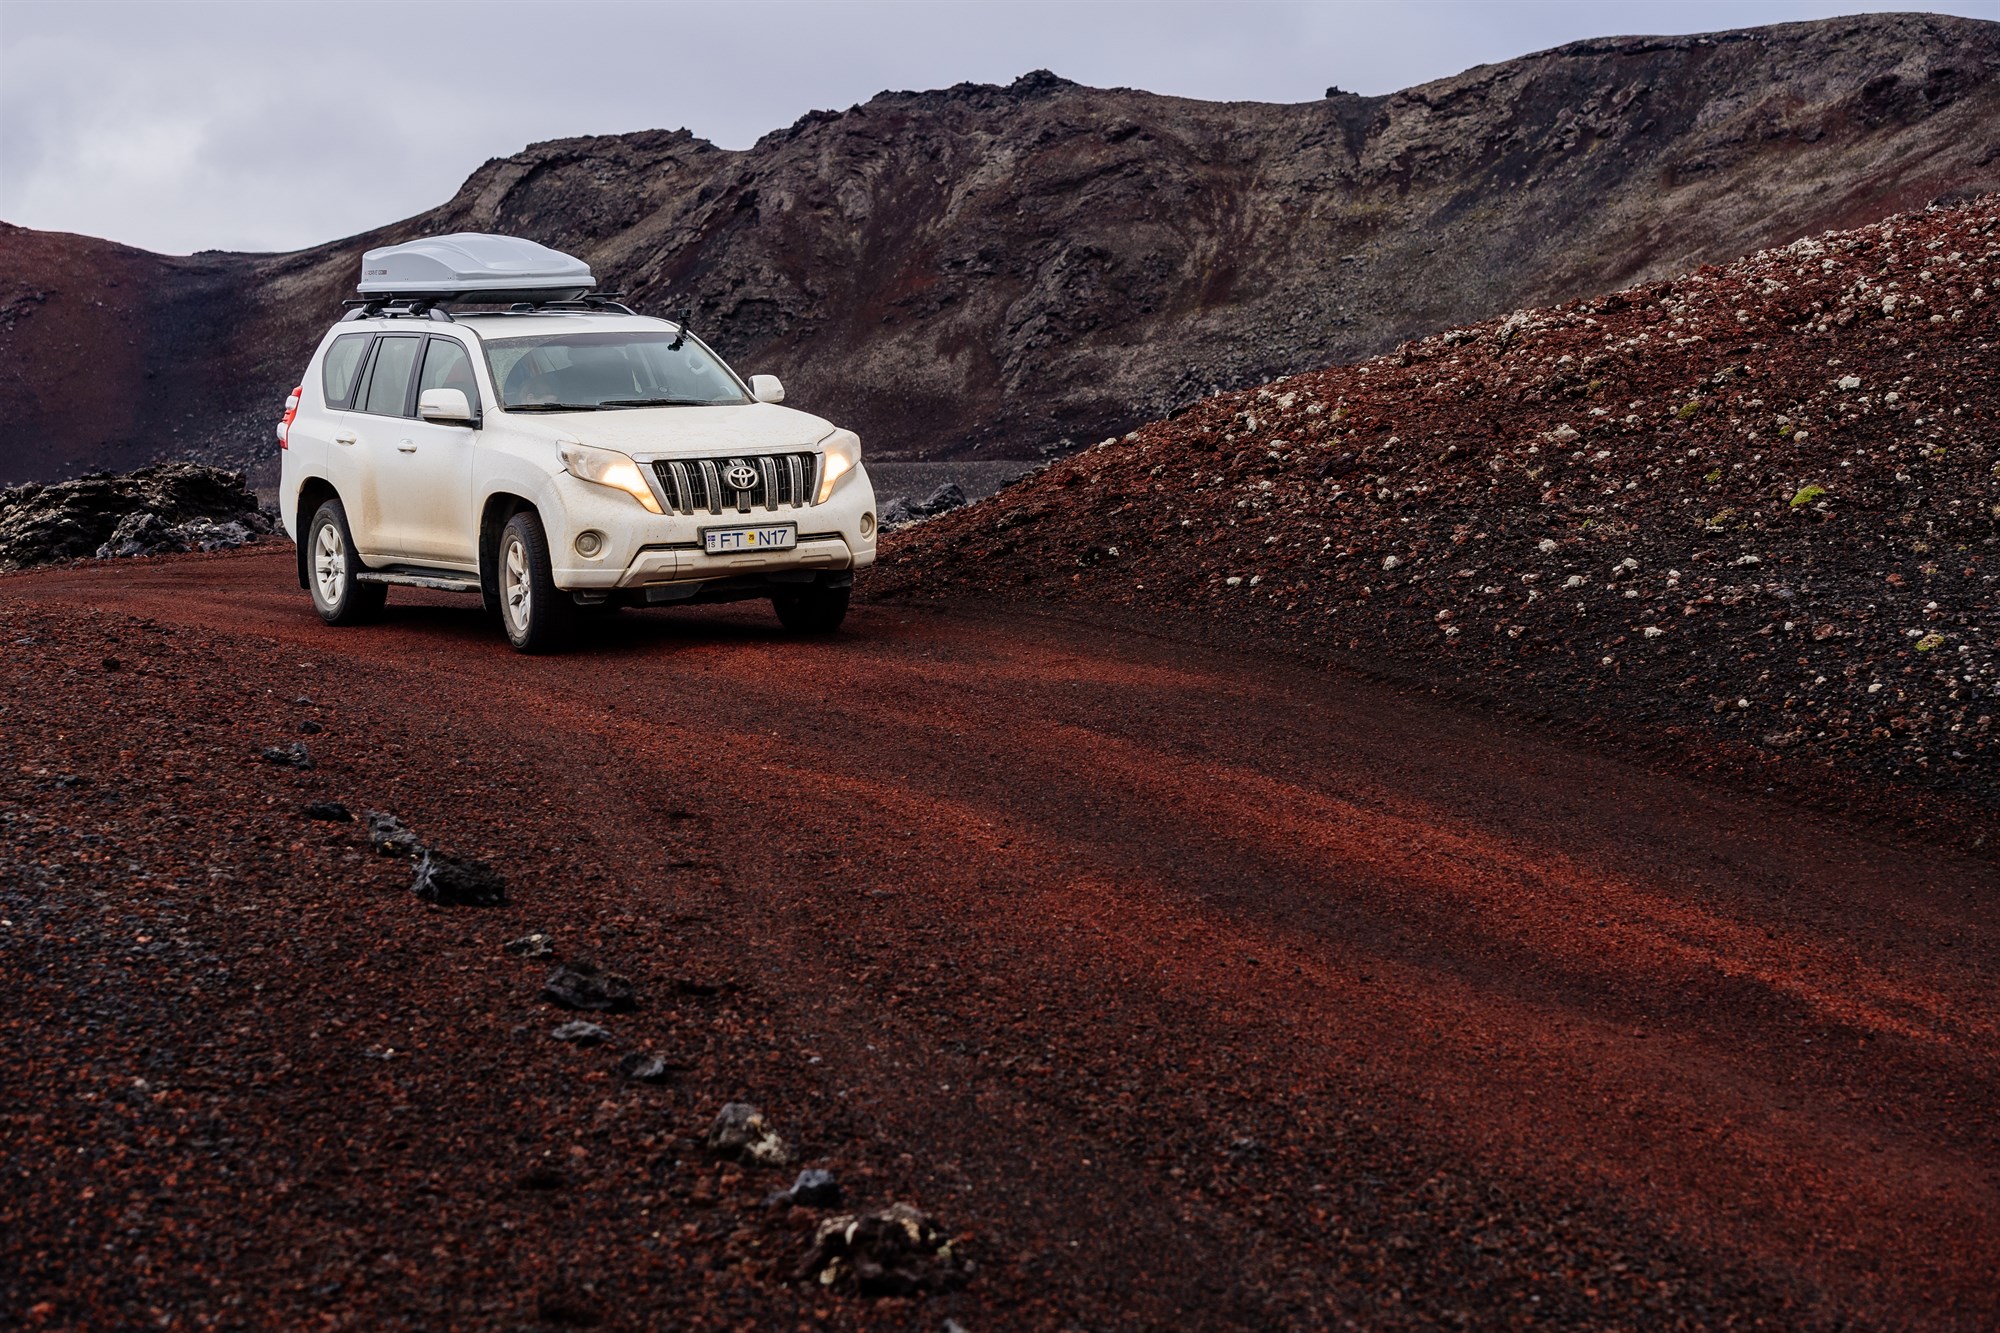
<point x="868" y="525"/>
<point x="589" y="543"/>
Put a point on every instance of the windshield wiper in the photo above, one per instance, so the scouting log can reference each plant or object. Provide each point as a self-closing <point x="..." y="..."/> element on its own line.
<point x="658" y="402"/>
<point x="552" y="407"/>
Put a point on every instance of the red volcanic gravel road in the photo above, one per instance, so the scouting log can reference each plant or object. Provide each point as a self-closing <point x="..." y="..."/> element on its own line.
<point x="1184" y="988"/>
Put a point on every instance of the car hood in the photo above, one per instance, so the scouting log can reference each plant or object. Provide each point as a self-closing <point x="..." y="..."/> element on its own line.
<point x="684" y="432"/>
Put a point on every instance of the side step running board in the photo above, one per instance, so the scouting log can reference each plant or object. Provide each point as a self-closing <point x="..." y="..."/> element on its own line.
<point x="443" y="582"/>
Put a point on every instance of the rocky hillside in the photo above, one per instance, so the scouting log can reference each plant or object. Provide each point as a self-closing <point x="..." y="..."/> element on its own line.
<point x="111" y="356"/>
<point x="999" y="270"/>
<point x="1753" y="510"/>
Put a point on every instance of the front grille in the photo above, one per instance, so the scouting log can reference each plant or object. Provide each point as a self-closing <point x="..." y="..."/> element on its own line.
<point x="703" y="485"/>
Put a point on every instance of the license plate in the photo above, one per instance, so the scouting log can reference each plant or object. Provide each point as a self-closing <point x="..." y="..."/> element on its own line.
<point x="729" y="541"/>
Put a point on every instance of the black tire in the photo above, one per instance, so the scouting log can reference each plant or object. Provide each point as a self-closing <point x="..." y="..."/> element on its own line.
<point x="815" y="610"/>
<point x="331" y="570"/>
<point x="489" y="590"/>
<point x="537" y="616"/>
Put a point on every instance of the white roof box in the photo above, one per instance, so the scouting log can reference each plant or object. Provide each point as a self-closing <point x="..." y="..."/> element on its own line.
<point x="474" y="267"/>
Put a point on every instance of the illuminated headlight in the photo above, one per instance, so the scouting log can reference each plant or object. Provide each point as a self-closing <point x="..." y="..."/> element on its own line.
<point x="842" y="452"/>
<point x="608" y="467"/>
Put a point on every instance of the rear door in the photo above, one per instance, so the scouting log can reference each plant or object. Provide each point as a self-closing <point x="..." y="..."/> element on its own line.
<point x="324" y="413"/>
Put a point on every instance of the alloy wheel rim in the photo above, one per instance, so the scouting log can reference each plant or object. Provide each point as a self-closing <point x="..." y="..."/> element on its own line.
<point x="515" y="594"/>
<point x="329" y="563"/>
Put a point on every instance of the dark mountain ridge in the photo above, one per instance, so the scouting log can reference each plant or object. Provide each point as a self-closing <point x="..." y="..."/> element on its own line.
<point x="1001" y="271"/>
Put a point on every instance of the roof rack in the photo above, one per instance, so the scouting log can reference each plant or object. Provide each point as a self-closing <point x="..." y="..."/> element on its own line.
<point x="386" y="307"/>
<point x="614" y="301"/>
<point x="406" y="307"/>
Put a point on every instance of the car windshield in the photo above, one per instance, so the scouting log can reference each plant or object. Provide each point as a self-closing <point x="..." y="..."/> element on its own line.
<point x="588" y="372"/>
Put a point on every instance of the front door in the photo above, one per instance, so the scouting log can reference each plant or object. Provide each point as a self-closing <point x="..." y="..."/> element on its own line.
<point x="365" y="457"/>
<point x="426" y="493"/>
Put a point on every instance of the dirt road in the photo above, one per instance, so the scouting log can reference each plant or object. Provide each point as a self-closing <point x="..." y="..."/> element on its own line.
<point x="1191" y="988"/>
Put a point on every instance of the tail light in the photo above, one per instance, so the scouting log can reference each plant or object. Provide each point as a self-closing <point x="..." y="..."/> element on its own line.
<point x="291" y="410"/>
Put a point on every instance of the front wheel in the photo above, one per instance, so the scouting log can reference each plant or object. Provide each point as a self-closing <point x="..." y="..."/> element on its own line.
<point x="814" y="610"/>
<point x="537" y="615"/>
<point x="332" y="568"/>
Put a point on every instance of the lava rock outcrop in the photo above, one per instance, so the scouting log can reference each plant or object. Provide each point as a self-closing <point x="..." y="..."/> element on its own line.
<point x="156" y="510"/>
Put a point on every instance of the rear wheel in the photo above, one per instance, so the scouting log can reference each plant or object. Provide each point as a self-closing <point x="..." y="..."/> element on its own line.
<point x="537" y="615"/>
<point x="332" y="568"/>
<point x="815" y="610"/>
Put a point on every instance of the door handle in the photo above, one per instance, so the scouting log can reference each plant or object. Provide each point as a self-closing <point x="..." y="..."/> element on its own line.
<point x="406" y="446"/>
<point x="345" y="437"/>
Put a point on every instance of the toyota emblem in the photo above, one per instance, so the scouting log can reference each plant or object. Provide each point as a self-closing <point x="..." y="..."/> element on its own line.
<point x="740" y="477"/>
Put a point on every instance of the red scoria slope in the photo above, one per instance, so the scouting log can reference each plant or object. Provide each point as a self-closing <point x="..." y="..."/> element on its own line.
<point x="1752" y="509"/>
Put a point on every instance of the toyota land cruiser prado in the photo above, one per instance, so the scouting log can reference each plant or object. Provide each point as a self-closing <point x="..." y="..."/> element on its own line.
<point x="557" y="452"/>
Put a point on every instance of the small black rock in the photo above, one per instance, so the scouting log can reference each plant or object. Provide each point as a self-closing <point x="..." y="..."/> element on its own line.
<point x="333" y="812"/>
<point x="569" y="1309"/>
<point x="642" y="1067"/>
<point x="943" y="500"/>
<point x="542" y="1178"/>
<point x="893" y="1251"/>
<point x="816" y="1187"/>
<point x="295" y="755"/>
<point x="742" y="1134"/>
<point x="536" y="945"/>
<point x="450" y="882"/>
<point x="582" y="986"/>
<point x="310" y="728"/>
<point x="388" y="835"/>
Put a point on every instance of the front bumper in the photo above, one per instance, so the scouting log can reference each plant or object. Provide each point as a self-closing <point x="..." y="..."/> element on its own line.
<point x="643" y="550"/>
<point x="676" y="564"/>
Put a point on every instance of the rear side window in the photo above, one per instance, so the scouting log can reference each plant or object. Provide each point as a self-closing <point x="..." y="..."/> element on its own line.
<point x="342" y="367"/>
<point x="447" y="365"/>
<point x="388" y="392"/>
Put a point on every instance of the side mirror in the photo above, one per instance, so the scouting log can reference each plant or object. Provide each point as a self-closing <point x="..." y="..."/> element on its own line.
<point x="766" y="389"/>
<point x="447" y="407"/>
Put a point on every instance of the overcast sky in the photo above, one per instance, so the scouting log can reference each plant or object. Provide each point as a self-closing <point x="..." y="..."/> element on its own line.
<point x="265" y="126"/>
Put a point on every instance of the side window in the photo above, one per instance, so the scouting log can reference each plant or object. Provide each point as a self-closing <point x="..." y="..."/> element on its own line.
<point x="342" y="367"/>
<point x="389" y="381"/>
<point x="447" y="365"/>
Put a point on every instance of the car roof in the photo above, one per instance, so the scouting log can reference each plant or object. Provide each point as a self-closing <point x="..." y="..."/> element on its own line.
<point x="515" y="323"/>
<point x="528" y="323"/>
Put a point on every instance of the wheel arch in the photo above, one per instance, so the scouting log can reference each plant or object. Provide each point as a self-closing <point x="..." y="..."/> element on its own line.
<point x="313" y="492"/>
<point x="493" y="515"/>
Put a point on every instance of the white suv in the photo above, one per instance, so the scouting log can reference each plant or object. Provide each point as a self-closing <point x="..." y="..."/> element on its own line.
<point x="563" y="453"/>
